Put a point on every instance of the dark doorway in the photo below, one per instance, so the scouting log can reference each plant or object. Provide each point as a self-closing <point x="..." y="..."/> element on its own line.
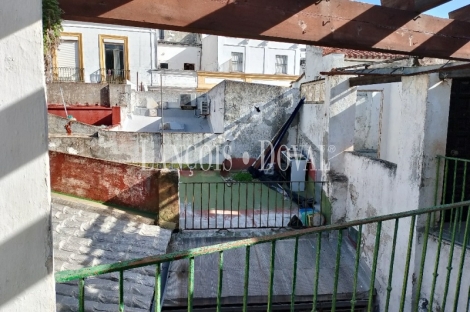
<point x="457" y="186"/>
<point x="114" y="61"/>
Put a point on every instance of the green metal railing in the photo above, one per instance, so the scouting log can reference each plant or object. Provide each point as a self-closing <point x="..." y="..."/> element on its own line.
<point x="374" y="225"/>
<point x="250" y="204"/>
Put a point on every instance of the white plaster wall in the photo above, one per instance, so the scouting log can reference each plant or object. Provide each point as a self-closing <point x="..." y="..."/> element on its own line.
<point x="390" y="120"/>
<point x="315" y="62"/>
<point x="442" y="272"/>
<point x="177" y="55"/>
<point x="210" y="49"/>
<point x="341" y="100"/>
<point x="367" y="125"/>
<point x="216" y="97"/>
<point x="186" y="79"/>
<point x="141" y="42"/>
<point x="26" y="274"/>
<point x="371" y="185"/>
<point x="259" y="56"/>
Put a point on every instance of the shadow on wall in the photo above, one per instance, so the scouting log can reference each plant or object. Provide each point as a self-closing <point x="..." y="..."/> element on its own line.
<point x="27" y="270"/>
<point x="244" y="127"/>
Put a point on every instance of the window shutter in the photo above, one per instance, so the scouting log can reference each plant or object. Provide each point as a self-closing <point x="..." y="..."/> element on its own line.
<point x="67" y="54"/>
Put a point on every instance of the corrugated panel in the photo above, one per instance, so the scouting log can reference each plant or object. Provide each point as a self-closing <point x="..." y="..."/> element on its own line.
<point x="67" y="54"/>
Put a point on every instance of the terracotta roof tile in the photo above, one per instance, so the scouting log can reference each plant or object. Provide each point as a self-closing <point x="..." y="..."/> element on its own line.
<point x="359" y="54"/>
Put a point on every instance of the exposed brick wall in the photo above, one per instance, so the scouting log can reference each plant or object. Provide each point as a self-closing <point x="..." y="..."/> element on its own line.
<point x="113" y="183"/>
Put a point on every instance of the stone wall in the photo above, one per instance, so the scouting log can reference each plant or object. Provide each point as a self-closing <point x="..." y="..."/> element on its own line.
<point x="128" y="147"/>
<point x="113" y="183"/>
<point x="77" y="93"/>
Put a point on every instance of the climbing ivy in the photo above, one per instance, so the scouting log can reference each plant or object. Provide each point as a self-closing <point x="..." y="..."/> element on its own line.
<point x="51" y="28"/>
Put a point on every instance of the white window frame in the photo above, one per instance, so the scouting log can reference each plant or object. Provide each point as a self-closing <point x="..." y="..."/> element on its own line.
<point x="281" y="67"/>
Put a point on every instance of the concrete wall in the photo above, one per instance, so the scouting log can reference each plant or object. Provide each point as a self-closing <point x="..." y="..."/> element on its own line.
<point x="243" y="128"/>
<point x="116" y="183"/>
<point x="129" y="147"/>
<point x="56" y="125"/>
<point x="391" y="94"/>
<point x="367" y="125"/>
<point x="26" y="275"/>
<point x="209" y="58"/>
<point x="413" y="130"/>
<point x="216" y="97"/>
<point x="142" y="47"/>
<point x="76" y="93"/>
<point x="177" y="55"/>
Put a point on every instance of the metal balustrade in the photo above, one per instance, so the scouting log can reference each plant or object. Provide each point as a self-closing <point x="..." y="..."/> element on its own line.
<point x="67" y="74"/>
<point x="403" y="223"/>
<point x="250" y="204"/>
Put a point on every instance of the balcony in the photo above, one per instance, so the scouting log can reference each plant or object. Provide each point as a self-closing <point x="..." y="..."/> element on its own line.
<point x="67" y="74"/>
<point x="113" y="76"/>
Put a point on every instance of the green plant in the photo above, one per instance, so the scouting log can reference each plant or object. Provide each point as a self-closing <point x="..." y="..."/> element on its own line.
<point x="51" y="28"/>
<point x="242" y="176"/>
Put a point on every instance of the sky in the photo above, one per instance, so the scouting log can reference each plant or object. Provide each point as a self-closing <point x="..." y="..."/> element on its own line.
<point x="440" y="11"/>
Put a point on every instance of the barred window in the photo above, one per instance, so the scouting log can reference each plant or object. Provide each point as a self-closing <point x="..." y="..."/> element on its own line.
<point x="281" y="64"/>
<point x="237" y="62"/>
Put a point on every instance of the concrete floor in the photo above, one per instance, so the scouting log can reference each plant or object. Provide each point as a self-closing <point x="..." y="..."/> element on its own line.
<point x="206" y="271"/>
<point x="184" y="118"/>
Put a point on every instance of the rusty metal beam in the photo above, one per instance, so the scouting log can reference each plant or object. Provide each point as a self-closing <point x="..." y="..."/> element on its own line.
<point x="334" y="23"/>
<point x="400" y="71"/>
<point x="417" y="6"/>
<point x="462" y="14"/>
<point x="370" y="80"/>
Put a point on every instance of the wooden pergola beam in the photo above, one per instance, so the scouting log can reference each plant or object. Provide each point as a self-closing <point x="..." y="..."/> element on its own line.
<point x="462" y="14"/>
<point x="417" y="6"/>
<point x="334" y="23"/>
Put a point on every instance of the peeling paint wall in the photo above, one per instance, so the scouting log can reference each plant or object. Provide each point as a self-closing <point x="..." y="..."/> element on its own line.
<point x="116" y="184"/>
<point x="413" y="131"/>
<point x="367" y="126"/>
<point x="129" y="147"/>
<point x="26" y="259"/>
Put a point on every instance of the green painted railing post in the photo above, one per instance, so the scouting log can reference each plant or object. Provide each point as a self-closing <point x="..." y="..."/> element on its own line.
<point x="247" y="278"/>
<point x="407" y="265"/>
<point x="121" y="291"/>
<point x="423" y="259"/>
<point x="462" y="260"/>
<point x="81" y="295"/>
<point x="271" y="276"/>
<point x="294" y="274"/>
<point x="191" y="284"/>
<point x="374" y="266"/>
<point x="356" y="267"/>
<point x="219" y="287"/>
<point x="449" y="264"/>
<point x="392" y="260"/>
<point x="317" y="273"/>
<point x="158" y="290"/>
<point x="337" y="264"/>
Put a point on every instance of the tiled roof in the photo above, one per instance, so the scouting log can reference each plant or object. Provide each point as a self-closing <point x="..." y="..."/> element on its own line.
<point x="85" y="237"/>
<point x="359" y="54"/>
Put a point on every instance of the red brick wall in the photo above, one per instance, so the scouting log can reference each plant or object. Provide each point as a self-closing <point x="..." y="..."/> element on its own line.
<point x="92" y="115"/>
<point x="104" y="181"/>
